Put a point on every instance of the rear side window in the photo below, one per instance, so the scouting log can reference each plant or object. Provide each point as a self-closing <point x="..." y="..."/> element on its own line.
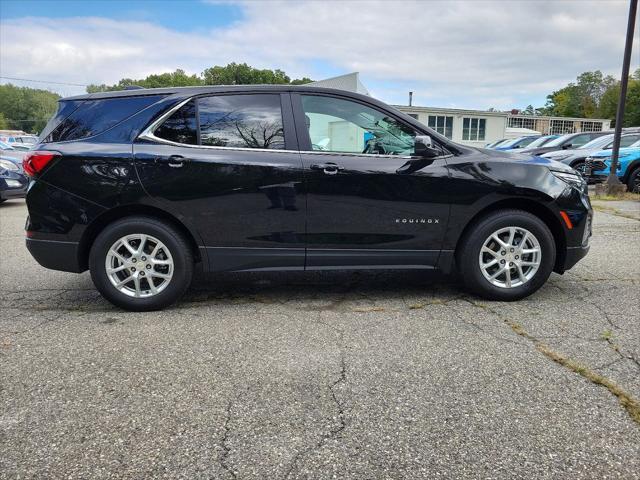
<point x="241" y="121"/>
<point x="96" y="116"/>
<point x="235" y="121"/>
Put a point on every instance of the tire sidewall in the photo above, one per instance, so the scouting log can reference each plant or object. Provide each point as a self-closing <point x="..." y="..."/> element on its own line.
<point x="471" y="270"/>
<point x="180" y="253"/>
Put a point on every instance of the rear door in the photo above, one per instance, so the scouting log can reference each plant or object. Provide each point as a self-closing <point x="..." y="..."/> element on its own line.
<point x="229" y="165"/>
<point x="370" y="202"/>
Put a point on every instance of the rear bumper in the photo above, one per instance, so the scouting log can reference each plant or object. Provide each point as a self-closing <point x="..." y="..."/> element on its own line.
<point x="55" y="255"/>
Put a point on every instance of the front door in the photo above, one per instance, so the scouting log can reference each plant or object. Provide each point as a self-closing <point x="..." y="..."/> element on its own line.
<point x="370" y="202"/>
<point x="228" y="164"/>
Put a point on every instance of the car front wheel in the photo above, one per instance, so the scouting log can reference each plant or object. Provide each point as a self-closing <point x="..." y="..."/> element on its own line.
<point x="633" y="184"/>
<point x="141" y="263"/>
<point x="507" y="255"/>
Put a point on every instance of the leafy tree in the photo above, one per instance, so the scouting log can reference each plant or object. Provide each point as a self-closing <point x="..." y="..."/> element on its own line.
<point x="174" y="79"/>
<point x="231" y="74"/>
<point x="3" y="122"/>
<point x="25" y="108"/>
<point x="595" y="95"/>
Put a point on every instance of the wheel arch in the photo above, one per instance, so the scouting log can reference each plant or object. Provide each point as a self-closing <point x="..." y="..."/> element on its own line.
<point x="635" y="164"/>
<point x="535" y="208"/>
<point x="123" y="211"/>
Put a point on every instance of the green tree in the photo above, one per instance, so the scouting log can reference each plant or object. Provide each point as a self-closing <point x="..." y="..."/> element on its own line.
<point x="25" y="108"/>
<point x="3" y="122"/>
<point x="231" y="74"/>
<point x="609" y="103"/>
<point x="173" y="79"/>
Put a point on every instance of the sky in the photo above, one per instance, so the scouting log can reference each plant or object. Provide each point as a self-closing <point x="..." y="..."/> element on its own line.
<point x="457" y="53"/>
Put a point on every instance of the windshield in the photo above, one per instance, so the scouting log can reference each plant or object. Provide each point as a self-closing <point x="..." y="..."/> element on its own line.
<point x="597" y="142"/>
<point x="559" y="141"/>
<point x="636" y="144"/>
<point x="517" y="141"/>
<point x="538" y="142"/>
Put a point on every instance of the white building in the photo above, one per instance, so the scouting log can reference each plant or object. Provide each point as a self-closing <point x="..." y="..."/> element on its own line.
<point x="477" y="127"/>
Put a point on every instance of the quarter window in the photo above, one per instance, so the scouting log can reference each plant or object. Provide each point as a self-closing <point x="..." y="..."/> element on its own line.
<point x="181" y="127"/>
<point x="241" y="121"/>
<point x="473" y="129"/>
<point x="337" y="125"/>
<point x="442" y="124"/>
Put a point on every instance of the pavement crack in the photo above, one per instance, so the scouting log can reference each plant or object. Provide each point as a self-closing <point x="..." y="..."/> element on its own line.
<point x="226" y="450"/>
<point x="626" y="400"/>
<point x="341" y="424"/>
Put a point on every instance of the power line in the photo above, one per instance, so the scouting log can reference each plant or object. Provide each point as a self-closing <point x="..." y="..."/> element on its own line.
<point x="44" y="81"/>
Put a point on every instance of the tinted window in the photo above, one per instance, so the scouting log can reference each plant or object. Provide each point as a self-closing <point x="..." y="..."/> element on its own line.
<point x="241" y="121"/>
<point x="65" y="108"/>
<point x="580" y="140"/>
<point x="95" y="116"/>
<point x="337" y="125"/>
<point x="181" y="127"/>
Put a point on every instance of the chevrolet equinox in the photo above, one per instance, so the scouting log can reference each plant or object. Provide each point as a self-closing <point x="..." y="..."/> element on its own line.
<point x="143" y="186"/>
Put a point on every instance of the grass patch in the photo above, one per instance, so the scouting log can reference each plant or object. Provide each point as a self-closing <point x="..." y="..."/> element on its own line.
<point x="622" y="196"/>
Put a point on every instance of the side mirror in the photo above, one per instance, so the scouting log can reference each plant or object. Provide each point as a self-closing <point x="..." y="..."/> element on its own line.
<point x="566" y="146"/>
<point x="423" y="147"/>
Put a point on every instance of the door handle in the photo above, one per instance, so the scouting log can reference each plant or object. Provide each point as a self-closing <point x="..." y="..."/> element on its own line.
<point x="328" y="168"/>
<point x="174" y="161"/>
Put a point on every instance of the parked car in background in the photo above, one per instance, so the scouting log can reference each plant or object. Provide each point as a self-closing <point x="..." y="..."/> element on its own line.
<point x="576" y="158"/>
<point x="13" y="182"/>
<point x="142" y="186"/>
<point x="540" y="141"/>
<point x="9" y="151"/>
<point x="598" y="166"/>
<point x="565" y="142"/>
<point x="516" y="143"/>
<point x="496" y="143"/>
<point x="23" y="147"/>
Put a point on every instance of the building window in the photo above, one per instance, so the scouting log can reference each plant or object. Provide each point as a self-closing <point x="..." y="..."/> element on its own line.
<point x="562" y="127"/>
<point x="414" y="115"/>
<point x="473" y="129"/>
<point x="521" y="122"/>
<point x="441" y="124"/>
<point x="590" y="126"/>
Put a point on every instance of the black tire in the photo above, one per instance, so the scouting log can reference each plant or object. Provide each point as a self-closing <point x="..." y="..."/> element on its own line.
<point x="579" y="166"/>
<point x="633" y="182"/>
<point x="468" y="254"/>
<point x="178" y="246"/>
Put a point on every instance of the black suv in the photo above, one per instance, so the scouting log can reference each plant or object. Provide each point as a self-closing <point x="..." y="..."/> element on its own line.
<point x="141" y="187"/>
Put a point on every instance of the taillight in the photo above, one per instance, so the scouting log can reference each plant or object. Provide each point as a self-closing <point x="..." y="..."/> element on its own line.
<point x="34" y="162"/>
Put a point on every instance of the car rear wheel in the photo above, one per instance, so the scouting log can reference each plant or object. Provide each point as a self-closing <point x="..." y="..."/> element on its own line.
<point x="633" y="183"/>
<point x="141" y="263"/>
<point x="507" y="255"/>
<point x="580" y="166"/>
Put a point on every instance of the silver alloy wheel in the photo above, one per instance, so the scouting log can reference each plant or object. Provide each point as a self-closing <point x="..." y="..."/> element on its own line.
<point x="510" y="257"/>
<point x="139" y="265"/>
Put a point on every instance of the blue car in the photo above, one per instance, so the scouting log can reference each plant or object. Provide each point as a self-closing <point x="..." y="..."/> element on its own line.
<point x="520" y="142"/>
<point x="598" y="165"/>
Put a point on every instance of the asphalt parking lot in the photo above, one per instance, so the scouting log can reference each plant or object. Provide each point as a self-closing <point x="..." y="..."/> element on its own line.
<point x="324" y="375"/>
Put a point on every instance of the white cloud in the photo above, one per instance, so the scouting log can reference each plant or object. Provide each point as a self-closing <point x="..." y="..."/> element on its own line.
<point x="465" y="53"/>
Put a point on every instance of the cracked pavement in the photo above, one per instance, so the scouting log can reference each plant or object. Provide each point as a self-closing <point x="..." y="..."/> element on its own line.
<point x="321" y="375"/>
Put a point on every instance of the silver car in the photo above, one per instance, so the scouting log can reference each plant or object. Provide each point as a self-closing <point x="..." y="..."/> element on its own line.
<point x="576" y="158"/>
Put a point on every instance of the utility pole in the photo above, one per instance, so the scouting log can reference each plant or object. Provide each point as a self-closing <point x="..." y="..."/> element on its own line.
<point x="613" y="182"/>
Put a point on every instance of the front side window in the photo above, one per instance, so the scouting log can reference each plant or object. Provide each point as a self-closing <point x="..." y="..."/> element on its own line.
<point x="442" y="124"/>
<point x="473" y="129"/>
<point x="344" y="126"/>
<point x="241" y="121"/>
<point x="580" y="140"/>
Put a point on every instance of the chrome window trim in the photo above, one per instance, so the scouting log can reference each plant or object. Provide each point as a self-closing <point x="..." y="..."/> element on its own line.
<point x="149" y="134"/>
